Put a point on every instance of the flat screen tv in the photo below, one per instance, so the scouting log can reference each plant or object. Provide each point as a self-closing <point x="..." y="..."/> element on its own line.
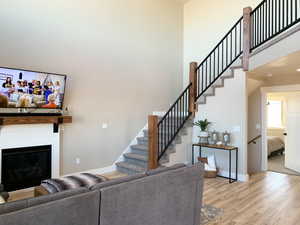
<point x="30" y="90"/>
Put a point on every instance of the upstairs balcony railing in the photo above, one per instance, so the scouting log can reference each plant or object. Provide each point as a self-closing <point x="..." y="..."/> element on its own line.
<point x="272" y="17"/>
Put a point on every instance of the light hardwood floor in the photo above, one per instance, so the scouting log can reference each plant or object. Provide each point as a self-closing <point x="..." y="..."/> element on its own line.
<point x="267" y="199"/>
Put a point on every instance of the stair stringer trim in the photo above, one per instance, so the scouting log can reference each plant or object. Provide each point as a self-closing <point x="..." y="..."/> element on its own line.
<point x="229" y="74"/>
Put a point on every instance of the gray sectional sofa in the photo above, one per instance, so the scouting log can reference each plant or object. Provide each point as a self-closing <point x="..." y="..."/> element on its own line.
<point x="166" y="196"/>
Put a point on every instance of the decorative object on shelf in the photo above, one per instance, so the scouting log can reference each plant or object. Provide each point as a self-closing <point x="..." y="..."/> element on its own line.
<point x="214" y="137"/>
<point x="226" y="138"/>
<point x="203" y="136"/>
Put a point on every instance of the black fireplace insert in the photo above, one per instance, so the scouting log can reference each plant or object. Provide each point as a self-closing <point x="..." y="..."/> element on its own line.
<point x="25" y="167"/>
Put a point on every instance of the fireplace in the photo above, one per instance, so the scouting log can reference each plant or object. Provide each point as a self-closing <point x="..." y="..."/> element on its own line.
<point x="25" y="167"/>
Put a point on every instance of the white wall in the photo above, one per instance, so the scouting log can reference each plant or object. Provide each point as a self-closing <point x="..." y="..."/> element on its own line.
<point x="227" y="111"/>
<point x="254" y="126"/>
<point x="123" y="58"/>
<point x="205" y="23"/>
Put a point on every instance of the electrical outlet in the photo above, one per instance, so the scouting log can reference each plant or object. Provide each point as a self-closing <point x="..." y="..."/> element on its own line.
<point x="104" y="125"/>
<point x="77" y="161"/>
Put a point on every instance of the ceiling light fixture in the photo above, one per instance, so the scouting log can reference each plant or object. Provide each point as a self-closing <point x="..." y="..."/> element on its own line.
<point x="298" y="70"/>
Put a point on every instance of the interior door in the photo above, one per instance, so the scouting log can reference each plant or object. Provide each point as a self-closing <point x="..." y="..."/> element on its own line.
<point x="292" y="152"/>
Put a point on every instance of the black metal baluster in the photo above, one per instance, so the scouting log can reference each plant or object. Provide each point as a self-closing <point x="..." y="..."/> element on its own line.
<point x="261" y="24"/>
<point x="283" y="13"/>
<point x="214" y="65"/>
<point x="206" y="75"/>
<point x="226" y="52"/>
<point x="230" y="47"/>
<point x="279" y="15"/>
<point x="222" y="56"/>
<point x="218" y="60"/>
<point x="180" y="118"/>
<point x="275" y="17"/>
<point x="269" y="14"/>
<point x="287" y="12"/>
<point x="256" y="28"/>
<point x="235" y="42"/>
<point x="291" y="5"/>
<point x="266" y="21"/>
<point x="209" y="70"/>
<point x="241" y="36"/>
<point x="202" y="83"/>
<point x="296" y="9"/>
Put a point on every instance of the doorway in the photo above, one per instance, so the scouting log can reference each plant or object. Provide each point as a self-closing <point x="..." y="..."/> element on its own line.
<point x="281" y="125"/>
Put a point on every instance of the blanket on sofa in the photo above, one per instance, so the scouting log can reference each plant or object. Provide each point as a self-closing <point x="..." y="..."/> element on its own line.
<point x="72" y="182"/>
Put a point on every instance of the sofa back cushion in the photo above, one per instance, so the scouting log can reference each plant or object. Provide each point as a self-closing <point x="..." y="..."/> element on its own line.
<point x="76" y="209"/>
<point x="170" y="197"/>
<point x="117" y="181"/>
<point x="165" y="169"/>
<point x="53" y="197"/>
<point x="12" y="206"/>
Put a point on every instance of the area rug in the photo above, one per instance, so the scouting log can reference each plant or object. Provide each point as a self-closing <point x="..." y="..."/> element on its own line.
<point x="209" y="214"/>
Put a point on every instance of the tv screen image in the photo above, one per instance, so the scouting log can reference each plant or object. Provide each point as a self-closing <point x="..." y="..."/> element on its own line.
<point x="29" y="89"/>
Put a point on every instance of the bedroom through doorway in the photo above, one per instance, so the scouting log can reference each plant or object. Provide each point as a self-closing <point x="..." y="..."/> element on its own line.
<point x="282" y="113"/>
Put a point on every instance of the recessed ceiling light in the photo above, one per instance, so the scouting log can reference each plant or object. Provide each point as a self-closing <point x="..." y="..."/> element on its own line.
<point x="298" y="70"/>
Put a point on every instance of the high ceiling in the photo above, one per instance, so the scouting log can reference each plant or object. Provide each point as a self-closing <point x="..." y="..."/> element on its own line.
<point x="283" y="69"/>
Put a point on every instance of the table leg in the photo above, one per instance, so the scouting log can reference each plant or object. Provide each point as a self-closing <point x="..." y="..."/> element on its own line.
<point x="230" y="180"/>
<point x="237" y="163"/>
<point x="200" y="152"/>
<point x="193" y="158"/>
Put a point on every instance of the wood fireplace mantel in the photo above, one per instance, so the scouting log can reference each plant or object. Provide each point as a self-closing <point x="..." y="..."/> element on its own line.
<point x="17" y="120"/>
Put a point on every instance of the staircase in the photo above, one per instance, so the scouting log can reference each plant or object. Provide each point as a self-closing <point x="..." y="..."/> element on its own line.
<point x="255" y="28"/>
<point x="136" y="161"/>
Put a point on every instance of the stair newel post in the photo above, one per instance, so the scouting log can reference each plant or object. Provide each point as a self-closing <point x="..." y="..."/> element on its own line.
<point x="153" y="142"/>
<point x="193" y="90"/>
<point x="246" y="37"/>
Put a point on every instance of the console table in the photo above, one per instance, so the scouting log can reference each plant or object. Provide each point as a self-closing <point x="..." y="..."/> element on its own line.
<point x="229" y="149"/>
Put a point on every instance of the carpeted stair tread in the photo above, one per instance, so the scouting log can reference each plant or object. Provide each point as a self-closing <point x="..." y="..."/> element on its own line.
<point x="140" y="147"/>
<point x="136" y="156"/>
<point x="128" y="166"/>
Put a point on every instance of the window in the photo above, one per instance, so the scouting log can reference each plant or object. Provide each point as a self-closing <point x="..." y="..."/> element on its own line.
<point x="275" y="114"/>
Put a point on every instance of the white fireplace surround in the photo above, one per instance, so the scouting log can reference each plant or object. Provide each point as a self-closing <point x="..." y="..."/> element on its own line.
<point x="18" y="136"/>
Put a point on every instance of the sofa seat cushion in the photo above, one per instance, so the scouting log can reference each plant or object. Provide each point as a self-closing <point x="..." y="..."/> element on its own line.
<point x="72" y="182"/>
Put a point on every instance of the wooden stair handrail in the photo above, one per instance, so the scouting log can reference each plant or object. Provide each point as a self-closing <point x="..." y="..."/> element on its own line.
<point x="254" y="139"/>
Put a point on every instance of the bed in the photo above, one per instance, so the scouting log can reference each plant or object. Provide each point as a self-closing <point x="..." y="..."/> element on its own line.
<point x="275" y="146"/>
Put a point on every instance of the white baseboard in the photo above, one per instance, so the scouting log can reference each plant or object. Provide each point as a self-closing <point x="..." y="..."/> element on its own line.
<point x="241" y="177"/>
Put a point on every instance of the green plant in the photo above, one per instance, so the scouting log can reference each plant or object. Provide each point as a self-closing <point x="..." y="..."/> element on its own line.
<point x="203" y="124"/>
